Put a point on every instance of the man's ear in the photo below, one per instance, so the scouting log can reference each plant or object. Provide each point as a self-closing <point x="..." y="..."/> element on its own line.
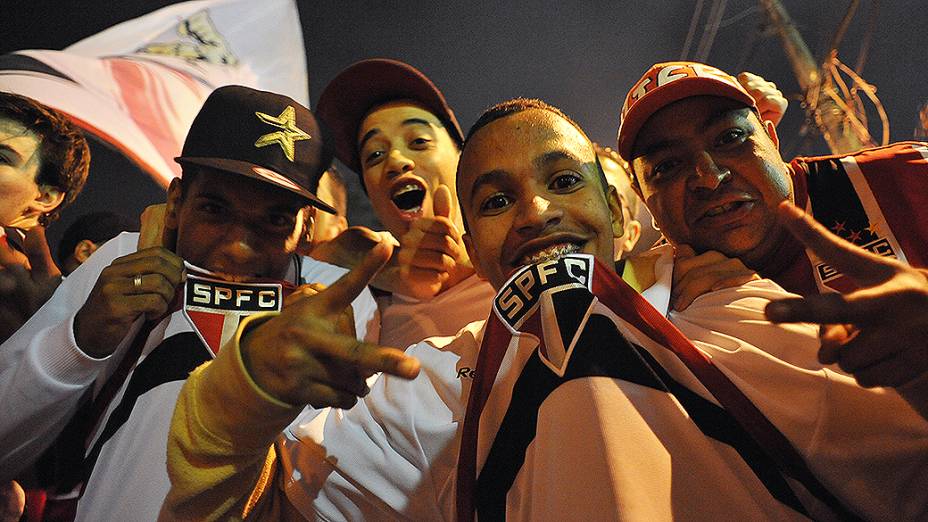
<point x="48" y="200"/>
<point x="472" y="254"/>
<point x="632" y="235"/>
<point x="83" y="250"/>
<point x="172" y="215"/>
<point x="772" y="132"/>
<point x="175" y="198"/>
<point x="615" y="208"/>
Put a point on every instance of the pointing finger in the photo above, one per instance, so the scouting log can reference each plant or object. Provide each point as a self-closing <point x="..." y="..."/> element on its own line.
<point x="364" y="357"/>
<point x="340" y="295"/>
<point x="830" y="308"/>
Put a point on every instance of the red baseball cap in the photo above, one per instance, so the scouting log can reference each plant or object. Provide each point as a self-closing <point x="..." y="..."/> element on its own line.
<point x="667" y="82"/>
<point x="360" y="87"/>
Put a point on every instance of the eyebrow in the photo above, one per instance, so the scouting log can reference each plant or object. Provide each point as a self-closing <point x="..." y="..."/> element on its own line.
<point x="553" y="157"/>
<point x="487" y="178"/>
<point x="499" y="176"/>
<point x="375" y="131"/>
<point x="4" y="146"/>
<point x="286" y="208"/>
<point x="713" y="118"/>
<point x="210" y="196"/>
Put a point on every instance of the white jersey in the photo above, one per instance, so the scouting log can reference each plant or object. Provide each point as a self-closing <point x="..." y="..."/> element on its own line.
<point x="406" y="320"/>
<point x="43" y="375"/>
<point x="395" y="454"/>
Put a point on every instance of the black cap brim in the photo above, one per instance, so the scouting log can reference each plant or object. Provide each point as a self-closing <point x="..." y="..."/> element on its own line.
<point x="260" y="173"/>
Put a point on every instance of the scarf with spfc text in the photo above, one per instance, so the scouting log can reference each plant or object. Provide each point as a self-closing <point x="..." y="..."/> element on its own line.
<point x="572" y="357"/>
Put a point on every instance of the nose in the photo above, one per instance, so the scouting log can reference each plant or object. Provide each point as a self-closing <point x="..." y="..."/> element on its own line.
<point x="398" y="163"/>
<point x="238" y="245"/>
<point x="707" y="174"/>
<point x="535" y="215"/>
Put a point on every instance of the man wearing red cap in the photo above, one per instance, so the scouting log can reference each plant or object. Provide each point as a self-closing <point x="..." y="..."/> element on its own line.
<point x="102" y="362"/>
<point x="707" y="165"/>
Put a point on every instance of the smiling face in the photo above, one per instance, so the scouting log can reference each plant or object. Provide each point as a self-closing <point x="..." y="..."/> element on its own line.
<point x="531" y="191"/>
<point x="405" y="155"/>
<point x="235" y="225"/>
<point x="712" y="176"/>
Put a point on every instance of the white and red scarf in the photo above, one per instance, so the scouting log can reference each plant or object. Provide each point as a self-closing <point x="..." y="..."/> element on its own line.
<point x="573" y="318"/>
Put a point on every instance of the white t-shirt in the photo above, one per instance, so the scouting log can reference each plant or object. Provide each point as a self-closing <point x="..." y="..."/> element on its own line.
<point x="406" y="320"/>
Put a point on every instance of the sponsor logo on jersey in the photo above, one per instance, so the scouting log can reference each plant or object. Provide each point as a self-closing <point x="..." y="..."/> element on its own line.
<point x="215" y="308"/>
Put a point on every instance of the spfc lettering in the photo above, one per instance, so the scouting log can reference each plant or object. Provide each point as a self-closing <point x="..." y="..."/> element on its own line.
<point x="229" y="296"/>
<point x="215" y="308"/>
<point x="520" y="294"/>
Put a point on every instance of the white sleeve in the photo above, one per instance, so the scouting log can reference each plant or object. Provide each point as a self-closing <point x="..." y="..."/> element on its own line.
<point x="43" y="373"/>
<point x="868" y="446"/>
<point x="393" y="455"/>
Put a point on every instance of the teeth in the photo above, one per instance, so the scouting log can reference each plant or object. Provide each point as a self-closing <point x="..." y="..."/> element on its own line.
<point x="409" y="187"/>
<point x="714" y="211"/>
<point x="549" y="253"/>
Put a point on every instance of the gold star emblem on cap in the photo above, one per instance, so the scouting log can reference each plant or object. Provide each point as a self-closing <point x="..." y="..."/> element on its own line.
<point x="285" y="137"/>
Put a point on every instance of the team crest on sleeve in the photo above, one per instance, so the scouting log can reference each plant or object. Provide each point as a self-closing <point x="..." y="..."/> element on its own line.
<point x="215" y="308"/>
<point x="552" y="301"/>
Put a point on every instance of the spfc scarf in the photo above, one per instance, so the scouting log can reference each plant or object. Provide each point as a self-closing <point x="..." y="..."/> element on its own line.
<point x="583" y="321"/>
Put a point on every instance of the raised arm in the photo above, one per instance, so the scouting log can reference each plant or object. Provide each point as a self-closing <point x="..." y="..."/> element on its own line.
<point x="231" y="411"/>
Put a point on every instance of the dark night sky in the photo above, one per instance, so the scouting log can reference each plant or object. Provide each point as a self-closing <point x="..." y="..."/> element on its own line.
<point x="582" y="57"/>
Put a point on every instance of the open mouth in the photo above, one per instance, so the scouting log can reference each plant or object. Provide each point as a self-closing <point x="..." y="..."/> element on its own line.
<point x="725" y="214"/>
<point x="408" y="197"/>
<point x="549" y="253"/>
<point x="722" y="209"/>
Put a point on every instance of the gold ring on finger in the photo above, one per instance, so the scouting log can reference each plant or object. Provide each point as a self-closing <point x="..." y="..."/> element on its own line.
<point x="137" y="281"/>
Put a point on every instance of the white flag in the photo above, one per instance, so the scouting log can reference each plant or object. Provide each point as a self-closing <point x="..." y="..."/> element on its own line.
<point x="138" y="85"/>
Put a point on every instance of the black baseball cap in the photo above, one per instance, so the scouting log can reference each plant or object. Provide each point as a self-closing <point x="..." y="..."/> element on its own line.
<point x="351" y="95"/>
<point x="261" y="135"/>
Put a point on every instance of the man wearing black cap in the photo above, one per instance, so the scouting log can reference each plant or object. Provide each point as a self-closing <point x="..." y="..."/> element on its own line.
<point x="394" y="128"/>
<point x="109" y="352"/>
